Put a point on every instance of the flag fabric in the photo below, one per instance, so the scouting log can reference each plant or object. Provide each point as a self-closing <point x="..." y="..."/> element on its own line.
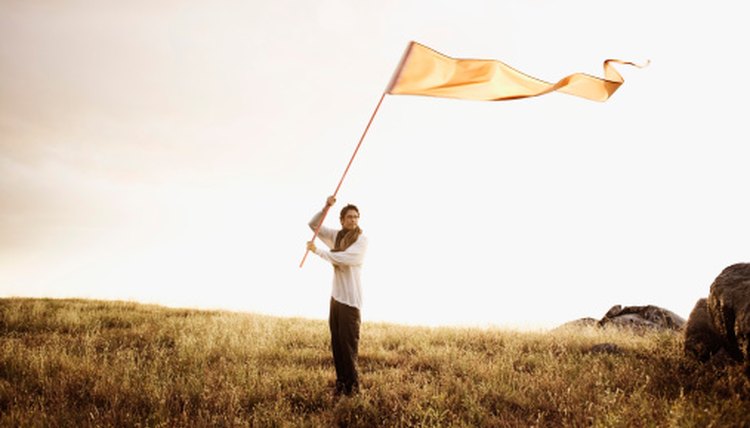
<point x="424" y="71"/>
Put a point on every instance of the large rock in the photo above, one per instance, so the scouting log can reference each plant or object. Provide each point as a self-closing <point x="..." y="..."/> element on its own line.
<point x="702" y="340"/>
<point x="652" y="317"/>
<point x="729" y="309"/>
<point x="579" y="324"/>
<point x="633" y="317"/>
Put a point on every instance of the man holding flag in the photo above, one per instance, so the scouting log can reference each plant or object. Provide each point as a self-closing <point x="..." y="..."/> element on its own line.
<point x="348" y="247"/>
<point x="426" y="72"/>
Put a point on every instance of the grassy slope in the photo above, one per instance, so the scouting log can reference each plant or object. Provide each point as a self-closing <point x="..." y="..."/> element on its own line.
<point x="84" y="363"/>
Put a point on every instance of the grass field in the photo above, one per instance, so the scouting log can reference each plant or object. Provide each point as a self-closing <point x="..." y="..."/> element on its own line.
<point x="77" y="363"/>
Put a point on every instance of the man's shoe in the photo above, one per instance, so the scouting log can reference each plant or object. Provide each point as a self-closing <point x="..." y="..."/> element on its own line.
<point x="351" y="390"/>
<point x="339" y="389"/>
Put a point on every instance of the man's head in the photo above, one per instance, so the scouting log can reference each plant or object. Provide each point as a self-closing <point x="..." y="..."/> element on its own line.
<point x="349" y="217"/>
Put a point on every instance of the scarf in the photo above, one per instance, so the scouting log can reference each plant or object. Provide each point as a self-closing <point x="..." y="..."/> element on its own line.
<point x="345" y="238"/>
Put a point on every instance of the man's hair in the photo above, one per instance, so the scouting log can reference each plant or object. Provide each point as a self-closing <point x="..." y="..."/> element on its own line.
<point x="346" y="209"/>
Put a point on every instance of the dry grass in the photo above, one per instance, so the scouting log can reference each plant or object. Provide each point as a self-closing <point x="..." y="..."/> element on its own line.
<point x="89" y="363"/>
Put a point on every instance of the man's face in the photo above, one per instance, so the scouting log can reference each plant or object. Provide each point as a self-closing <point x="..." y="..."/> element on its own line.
<point x="350" y="220"/>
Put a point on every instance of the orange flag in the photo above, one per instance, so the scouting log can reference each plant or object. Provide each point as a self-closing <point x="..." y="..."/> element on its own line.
<point x="424" y="71"/>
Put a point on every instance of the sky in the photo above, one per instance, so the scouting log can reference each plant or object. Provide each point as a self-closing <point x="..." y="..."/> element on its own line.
<point x="172" y="152"/>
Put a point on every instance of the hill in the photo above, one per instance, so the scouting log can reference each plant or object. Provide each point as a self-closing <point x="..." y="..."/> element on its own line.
<point x="94" y="363"/>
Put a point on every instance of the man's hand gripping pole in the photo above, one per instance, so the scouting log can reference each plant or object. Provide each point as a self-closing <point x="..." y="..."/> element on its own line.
<point x="325" y="210"/>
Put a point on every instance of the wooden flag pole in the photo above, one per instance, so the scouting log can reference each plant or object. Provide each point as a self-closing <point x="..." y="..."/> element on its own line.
<point x="393" y="80"/>
<point x="325" y="210"/>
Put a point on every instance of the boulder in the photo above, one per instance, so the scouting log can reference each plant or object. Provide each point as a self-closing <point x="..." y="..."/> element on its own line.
<point x="580" y="323"/>
<point x="633" y="317"/>
<point x="729" y="309"/>
<point x="606" y="348"/>
<point x="640" y="317"/>
<point x="702" y="340"/>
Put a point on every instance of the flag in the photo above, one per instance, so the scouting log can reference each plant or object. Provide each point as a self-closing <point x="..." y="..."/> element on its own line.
<point x="424" y="71"/>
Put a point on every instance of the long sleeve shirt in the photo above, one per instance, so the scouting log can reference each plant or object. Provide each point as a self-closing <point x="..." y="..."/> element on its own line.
<point x="347" y="264"/>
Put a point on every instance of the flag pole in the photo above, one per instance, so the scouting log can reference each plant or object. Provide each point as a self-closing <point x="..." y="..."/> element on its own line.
<point x="387" y="90"/>
<point x="359" y="144"/>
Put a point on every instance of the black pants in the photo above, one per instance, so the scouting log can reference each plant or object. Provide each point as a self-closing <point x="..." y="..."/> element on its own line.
<point x="344" y="322"/>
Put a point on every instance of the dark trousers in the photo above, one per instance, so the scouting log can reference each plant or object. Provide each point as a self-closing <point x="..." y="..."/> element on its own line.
<point x="344" y="322"/>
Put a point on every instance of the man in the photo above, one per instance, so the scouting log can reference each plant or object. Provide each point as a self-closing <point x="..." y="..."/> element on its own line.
<point x="348" y="247"/>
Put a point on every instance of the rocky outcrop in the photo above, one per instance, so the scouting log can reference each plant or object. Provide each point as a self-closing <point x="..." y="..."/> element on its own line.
<point x="701" y="338"/>
<point x="729" y="308"/>
<point x="649" y="316"/>
<point x="633" y="317"/>
<point x="580" y="323"/>
<point x="720" y="324"/>
<point x="606" y="348"/>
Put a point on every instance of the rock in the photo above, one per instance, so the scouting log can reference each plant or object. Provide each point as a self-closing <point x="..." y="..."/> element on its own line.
<point x="634" y="317"/>
<point x="702" y="340"/>
<point x="652" y="317"/>
<point x="579" y="323"/>
<point x="605" y="348"/>
<point x="729" y="310"/>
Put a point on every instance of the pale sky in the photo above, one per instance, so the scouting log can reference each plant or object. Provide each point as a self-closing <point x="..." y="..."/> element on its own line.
<point x="172" y="152"/>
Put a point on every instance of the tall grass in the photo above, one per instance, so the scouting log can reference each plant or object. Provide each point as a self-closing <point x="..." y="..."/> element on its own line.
<point x="90" y="363"/>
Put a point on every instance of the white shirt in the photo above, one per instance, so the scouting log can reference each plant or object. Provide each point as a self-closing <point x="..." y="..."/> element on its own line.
<point x="347" y="264"/>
